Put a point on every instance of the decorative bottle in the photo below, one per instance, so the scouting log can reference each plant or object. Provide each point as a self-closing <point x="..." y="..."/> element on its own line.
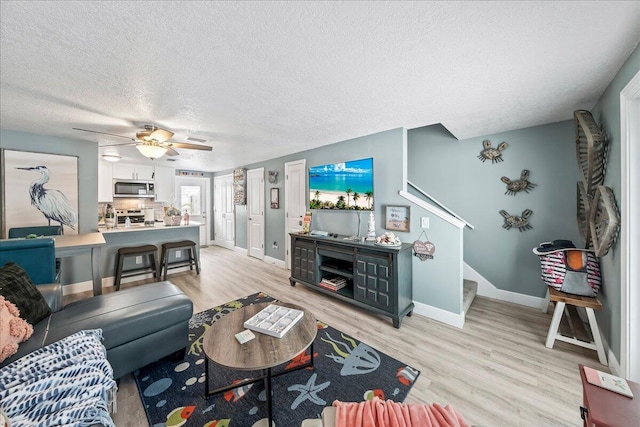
<point x="186" y="217"/>
<point x="371" y="235"/>
<point x="110" y="217"/>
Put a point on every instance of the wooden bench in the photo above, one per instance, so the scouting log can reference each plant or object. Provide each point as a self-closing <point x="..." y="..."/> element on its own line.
<point x="561" y="299"/>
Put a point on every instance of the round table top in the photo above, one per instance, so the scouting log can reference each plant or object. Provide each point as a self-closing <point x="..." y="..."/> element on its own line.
<point x="264" y="351"/>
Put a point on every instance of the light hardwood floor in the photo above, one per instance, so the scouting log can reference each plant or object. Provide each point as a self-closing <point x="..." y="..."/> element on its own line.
<point x="496" y="370"/>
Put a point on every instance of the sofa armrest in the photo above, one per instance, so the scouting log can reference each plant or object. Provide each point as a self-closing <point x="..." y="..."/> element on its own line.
<point x="52" y="293"/>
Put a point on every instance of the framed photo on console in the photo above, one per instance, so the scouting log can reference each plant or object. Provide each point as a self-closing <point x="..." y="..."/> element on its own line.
<point x="397" y="218"/>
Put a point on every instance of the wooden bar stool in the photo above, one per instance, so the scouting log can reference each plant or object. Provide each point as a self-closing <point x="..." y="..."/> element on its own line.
<point x="182" y="244"/>
<point x="561" y="299"/>
<point x="134" y="251"/>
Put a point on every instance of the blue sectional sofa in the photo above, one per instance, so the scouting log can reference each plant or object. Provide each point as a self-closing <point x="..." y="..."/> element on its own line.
<point x="140" y="325"/>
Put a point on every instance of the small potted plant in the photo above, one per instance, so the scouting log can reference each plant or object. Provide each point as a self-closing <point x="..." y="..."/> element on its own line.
<point x="110" y="217"/>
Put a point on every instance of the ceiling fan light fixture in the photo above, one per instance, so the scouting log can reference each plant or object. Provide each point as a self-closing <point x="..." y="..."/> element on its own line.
<point x="151" y="151"/>
<point x="111" y="157"/>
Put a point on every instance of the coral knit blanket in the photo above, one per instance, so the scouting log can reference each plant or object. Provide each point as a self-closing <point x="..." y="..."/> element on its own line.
<point x="387" y="413"/>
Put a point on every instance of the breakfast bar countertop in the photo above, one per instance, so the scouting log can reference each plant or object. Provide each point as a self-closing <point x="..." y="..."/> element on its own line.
<point x="141" y="227"/>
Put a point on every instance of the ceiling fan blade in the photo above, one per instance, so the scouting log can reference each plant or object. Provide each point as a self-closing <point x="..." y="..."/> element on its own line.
<point x="104" y="133"/>
<point x="118" y="144"/>
<point x="189" y="146"/>
<point x="143" y="135"/>
<point x="171" y="151"/>
<point x="161" y="135"/>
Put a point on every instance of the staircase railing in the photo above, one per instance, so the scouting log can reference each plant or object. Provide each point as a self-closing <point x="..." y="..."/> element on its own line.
<point x="440" y="210"/>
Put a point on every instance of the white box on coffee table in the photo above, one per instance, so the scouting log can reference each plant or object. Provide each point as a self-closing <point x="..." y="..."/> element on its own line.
<point x="274" y="320"/>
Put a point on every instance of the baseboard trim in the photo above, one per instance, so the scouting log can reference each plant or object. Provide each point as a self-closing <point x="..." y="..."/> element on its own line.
<point x="76" y="288"/>
<point x="220" y="244"/>
<point x="487" y="289"/>
<point x="614" y="365"/>
<point x="241" y="250"/>
<point x="274" y="261"/>
<point x="435" y="313"/>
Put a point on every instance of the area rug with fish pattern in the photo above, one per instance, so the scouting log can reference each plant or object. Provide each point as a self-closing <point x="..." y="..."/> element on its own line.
<point x="173" y="392"/>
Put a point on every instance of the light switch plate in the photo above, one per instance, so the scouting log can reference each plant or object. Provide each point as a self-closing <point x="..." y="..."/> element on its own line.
<point x="178" y="254"/>
<point x="424" y="223"/>
<point x="139" y="260"/>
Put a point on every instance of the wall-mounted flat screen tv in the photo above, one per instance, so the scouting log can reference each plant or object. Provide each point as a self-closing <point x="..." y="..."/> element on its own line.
<point x="342" y="186"/>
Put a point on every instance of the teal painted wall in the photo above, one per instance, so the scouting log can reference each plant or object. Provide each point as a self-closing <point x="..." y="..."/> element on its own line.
<point x="73" y="269"/>
<point x="241" y="226"/>
<point x="450" y="171"/>
<point x="384" y="147"/>
<point x="438" y="282"/>
<point x="607" y="113"/>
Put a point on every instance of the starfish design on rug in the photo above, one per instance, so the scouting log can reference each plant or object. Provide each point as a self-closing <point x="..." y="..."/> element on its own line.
<point x="309" y="391"/>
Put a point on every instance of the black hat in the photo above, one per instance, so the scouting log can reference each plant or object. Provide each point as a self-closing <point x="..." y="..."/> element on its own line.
<point x="555" y="246"/>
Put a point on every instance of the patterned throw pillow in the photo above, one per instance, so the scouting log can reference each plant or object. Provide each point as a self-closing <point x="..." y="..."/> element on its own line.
<point x="17" y="287"/>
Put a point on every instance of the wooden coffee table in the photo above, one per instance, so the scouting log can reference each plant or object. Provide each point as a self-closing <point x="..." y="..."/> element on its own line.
<point x="261" y="353"/>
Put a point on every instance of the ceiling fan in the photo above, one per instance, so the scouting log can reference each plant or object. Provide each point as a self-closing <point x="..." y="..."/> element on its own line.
<point x="153" y="142"/>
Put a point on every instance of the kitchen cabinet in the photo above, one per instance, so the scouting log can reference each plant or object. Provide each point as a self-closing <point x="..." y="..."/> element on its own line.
<point x="378" y="278"/>
<point x="132" y="171"/>
<point x="165" y="178"/>
<point x="105" y="181"/>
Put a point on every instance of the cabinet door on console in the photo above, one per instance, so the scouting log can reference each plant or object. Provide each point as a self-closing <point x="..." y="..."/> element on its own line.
<point x="304" y="261"/>
<point x="374" y="281"/>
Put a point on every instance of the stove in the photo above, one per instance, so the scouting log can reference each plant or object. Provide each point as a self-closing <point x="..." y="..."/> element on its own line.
<point x="136" y="216"/>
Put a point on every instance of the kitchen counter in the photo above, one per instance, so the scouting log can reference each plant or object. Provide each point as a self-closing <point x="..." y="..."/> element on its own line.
<point x="138" y="234"/>
<point x="140" y="227"/>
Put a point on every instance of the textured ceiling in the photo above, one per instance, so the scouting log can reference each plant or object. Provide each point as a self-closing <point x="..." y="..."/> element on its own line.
<point x="259" y="80"/>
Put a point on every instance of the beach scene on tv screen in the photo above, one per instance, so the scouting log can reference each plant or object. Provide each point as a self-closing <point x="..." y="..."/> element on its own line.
<point x="346" y="185"/>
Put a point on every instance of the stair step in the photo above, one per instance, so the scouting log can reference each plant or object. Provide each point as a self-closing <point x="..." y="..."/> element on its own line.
<point x="469" y="291"/>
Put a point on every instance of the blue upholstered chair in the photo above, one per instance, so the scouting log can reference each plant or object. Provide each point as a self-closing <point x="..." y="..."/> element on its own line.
<point x="43" y="230"/>
<point x="38" y="230"/>
<point x="37" y="258"/>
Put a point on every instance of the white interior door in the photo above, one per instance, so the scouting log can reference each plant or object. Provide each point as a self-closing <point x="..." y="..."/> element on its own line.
<point x="223" y="211"/>
<point x="295" y="184"/>
<point x="192" y="197"/>
<point x="630" y="231"/>
<point x="255" y="212"/>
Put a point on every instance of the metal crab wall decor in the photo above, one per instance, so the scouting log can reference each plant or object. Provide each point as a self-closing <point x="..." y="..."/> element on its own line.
<point x="521" y="222"/>
<point x="518" y="185"/>
<point x="493" y="154"/>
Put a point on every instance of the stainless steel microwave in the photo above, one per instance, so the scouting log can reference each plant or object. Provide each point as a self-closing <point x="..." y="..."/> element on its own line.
<point x="133" y="188"/>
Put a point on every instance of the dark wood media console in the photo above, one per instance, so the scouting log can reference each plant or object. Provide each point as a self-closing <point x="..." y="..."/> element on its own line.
<point x="378" y="278"/>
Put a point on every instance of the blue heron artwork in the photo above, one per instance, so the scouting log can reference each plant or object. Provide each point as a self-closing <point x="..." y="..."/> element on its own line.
<point x="53" y="204"/>
<point x="40" y="189"/>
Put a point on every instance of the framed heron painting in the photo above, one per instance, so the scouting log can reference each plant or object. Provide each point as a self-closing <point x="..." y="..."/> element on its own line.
<point x="39" y="189"/>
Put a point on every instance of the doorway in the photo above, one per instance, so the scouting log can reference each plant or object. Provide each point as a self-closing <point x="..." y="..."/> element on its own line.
<point x="224" y="216"/>
<point x="294" y="202"/>
<point x="192" y="196"/>
<point x="630" y="229"/>
<point x="255" y="213"/>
